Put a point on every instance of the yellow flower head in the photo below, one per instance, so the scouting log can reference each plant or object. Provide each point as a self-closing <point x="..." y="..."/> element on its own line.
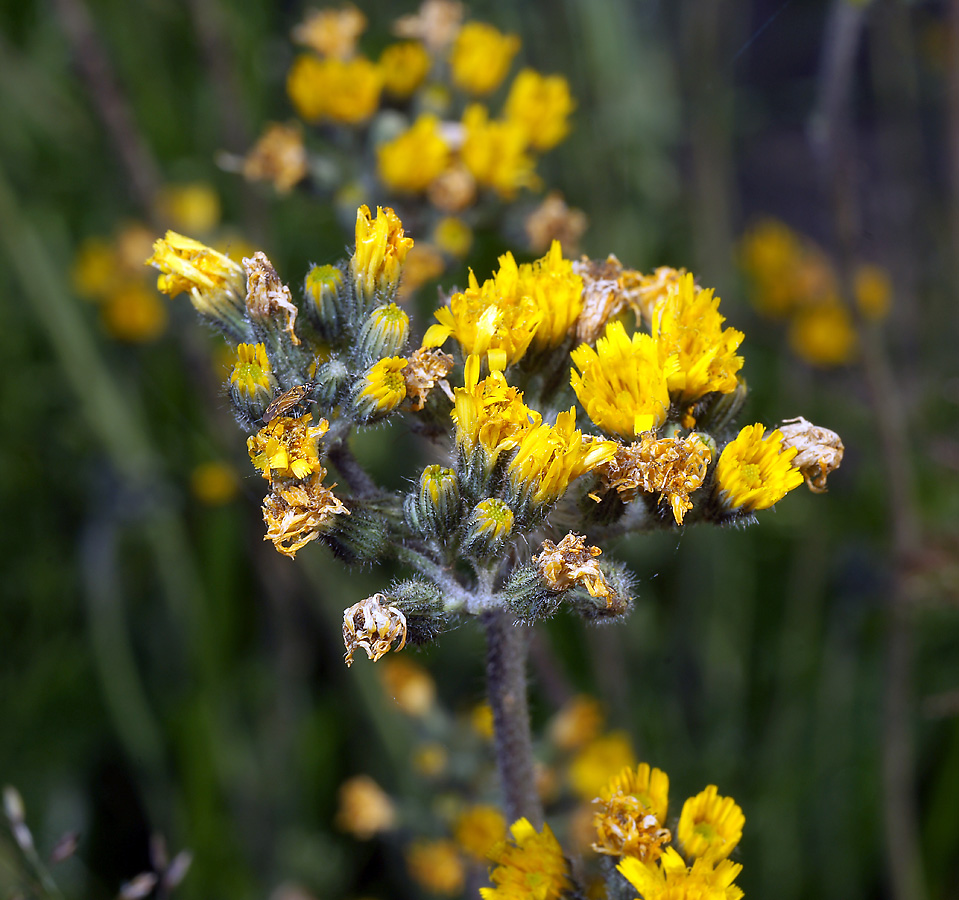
<point x="577" y="723"/>
<point x="331" y="32"/>
<point x="479" y="829"/>
<point x="489" y="413"/>
<point x="873" y="291"/>
<point x="771" y="253"/>
<point x="531" y="865"/>
<point x="133" y="313"/>
<point x="191" y="207"/>
<point x="364" y="808"/>
<point x="754" y="472"/>
<point x="710" y="826"/>
<point x="823" y="335"/>
<point x="453" y="236"/>
<point x="252" y="373"/>
<point x="687" y="324"/>
<point x="298" y="512"/>
<point x="404" y="66"/>
<point x="649" y="785"/>
<point x="342" y="91"/>
<point x="481" y="57"/>
<point x="496" y="153"/>
<point x="287" y="448"/>
<point x="557" y="292"/>
<point x="626" y="826"/>
<point x="599" y="761"/>
<point x="549" y="457"/>
<point x="384" y="385"/>
<point x="278" y="156"/>
<point x="381" y="249"/>
<point x="622" y="384"/>
<point x="214" y="282"/>
<point x="492" y="520"/>
<point x="413" y="159"/>
<point x="436" y="866"/>
<point x="409" y="685"/>
<point x="670" y="879"/>
<point x="541" y="104"/>
<point x="671" y="467"/>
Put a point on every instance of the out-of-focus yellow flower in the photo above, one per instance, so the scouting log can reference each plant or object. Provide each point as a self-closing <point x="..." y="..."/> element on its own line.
<point x="541" y="105"/>
<point x="453" y="190"/>
<point x="823" y="335"/>
<point x="331" y="32"/>
<point x="194" y="207"/>
<point x="133" y="313"/>
<point x="453" y="236"/>
<point x="770" y="252"/>
<point x="670" y="879"/>
<point x="385" y="385"/>
<point x="687" y="325"/>
<point x="599" y="761"/>
<point x="481" y="57"/>
<point x="423" y="263"/>
<point x="365" y="809"/>
<point x="479" y="829"/>
<point x="94" y="272"/>
<point x="404" y="66"/>
<point x="381" y="248"/>
<point x="623" y="384"/>
<point x="481" y="719"/>
<point x="577" y="723"/>
<point x="873" y="291"/>
<point x="436" y="866"/>
<point x="132" y="243"/>
<point x="413" y="159"/>
<point x="342" y="91"/>
<point x="278" y="156"/>
<point x="214" y="483"/>
<point x="409" y="684"/>
<point x="530" y="865"/>
<point x="495" y="152"/>
<point x="710" y="826"/>
<point x="754" y="472"/>
<point x="287" y="448"/>
<point x="430" y="759"/>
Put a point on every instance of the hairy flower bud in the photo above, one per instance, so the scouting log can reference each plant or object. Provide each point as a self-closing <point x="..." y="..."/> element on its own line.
<point x="329" y="301"/>
<point x="384" y="333"/>
<point x="377" y="262"/>
<point x="490" y="524"/>
<point x="434" y="508"/>
<point x="252" y="384"/>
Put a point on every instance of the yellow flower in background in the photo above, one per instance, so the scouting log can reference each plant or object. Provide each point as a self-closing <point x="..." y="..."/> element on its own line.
<point x="531" y="865"/>
<point x="453" y="236"/>
<point x="770" y="252"/>
<point x="577" y="723"/>
<point x="385" y="385"/>
<point x="670" y="879"/>
<point x="873" y="291"/>
<point x="436" y="866"/>
<point x="364" y="808"/>
<point x="287" y="448"/>
<point x="481" y="57"/>
<point x="495" y="152"/>
<point x="823" y="335"/>
<point x="709" y="825"/>
<point x="133" y="313"/>
<point x="479" y="829"/>
<point x="687" y="325"/>
<point x="409" y="684"/>
<point x="214" y="483"/>
<point x="191" y="207"/>
<point x="599" y="761"/>
<point x="331" y="32"/>
<point x="413" y="159"/>
<point x="343" y="91"/>
<point x="381" y="249"/>
<point x="481" y="720"/>
<point x="405" y="66"/>
<point x="541" y="105"/>
<point x="279" y="156"/>
<point x="754" y="472"/>
<point x="622" y="383"/>
<point x="423" y="263"/>
<point x="94" y="271"/>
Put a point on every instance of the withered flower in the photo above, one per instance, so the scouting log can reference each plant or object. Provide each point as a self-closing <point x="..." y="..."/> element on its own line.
<point x="267" y="298"/>
<point x="819" y="451"/>
<point x="570" y="563"/>
<point x="297" y="512"/>
<point x="426" y="368"/>
<point x="373" y="627"/>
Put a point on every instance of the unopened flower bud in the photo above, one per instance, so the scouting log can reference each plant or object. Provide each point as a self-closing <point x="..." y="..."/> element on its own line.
<point x="384" y="333"/>
<point x="719" y="411"/>
<point x="252" y="384"/>
<point x="377" y="261"/>
<point x="434" y="508"/>
<point x="329" y="382"/>
<point x="329" y="301"/>
<point x="490" y="524"/>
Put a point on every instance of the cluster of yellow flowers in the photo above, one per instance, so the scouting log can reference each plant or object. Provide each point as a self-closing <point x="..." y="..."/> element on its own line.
<point x="793" y="278"/>
<point x="420" y="110"/>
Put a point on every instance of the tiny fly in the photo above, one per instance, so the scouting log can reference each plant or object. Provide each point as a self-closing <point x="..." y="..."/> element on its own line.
<point x="286" y="401"/>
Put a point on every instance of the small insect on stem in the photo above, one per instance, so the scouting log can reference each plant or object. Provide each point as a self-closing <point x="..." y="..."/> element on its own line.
<point x="287" y="401"/>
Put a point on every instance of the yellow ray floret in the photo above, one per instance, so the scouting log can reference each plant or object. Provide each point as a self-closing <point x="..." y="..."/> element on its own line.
<point x="413" y="159"/>
<point x="287" y="448"/>
<point x="670" y="879"/>
<point x="481" y="57"/>
<point x="343" y="91"/>
<point x="755" y="472"/>
<point x="687" y="324"/>
<point x="385" y="384"/>
<point x="622" y="384"/>
<point x="531" y="865"/>
<point x="710" y="826"/>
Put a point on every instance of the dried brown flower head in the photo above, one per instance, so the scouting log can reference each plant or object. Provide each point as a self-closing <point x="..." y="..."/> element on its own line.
<point x="267" y="298"/>
<point x="552" y="221"/>
<point x="278" y="156"/>
<point x="373" y="627"/>
<point x="570" y="563"/>
<point x="435" y="24"/>
<point x="426" y="368"/>
<point x="297" y="512"/>
<point x="626" y="827"/>
<point x="364" y="808"/>
<point x="331" y="32"/>
<point x="819" y="451"/>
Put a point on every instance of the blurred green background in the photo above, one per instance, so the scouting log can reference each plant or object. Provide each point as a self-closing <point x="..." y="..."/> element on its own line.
<point x="164" y="671"/>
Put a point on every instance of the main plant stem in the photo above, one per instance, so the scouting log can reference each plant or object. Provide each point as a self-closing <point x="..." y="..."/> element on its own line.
<point x="506" y="649"/>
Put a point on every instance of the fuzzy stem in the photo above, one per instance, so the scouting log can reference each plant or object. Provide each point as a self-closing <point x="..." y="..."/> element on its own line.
<point x="506" y="647"/>
<point x="353" y="473"/>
